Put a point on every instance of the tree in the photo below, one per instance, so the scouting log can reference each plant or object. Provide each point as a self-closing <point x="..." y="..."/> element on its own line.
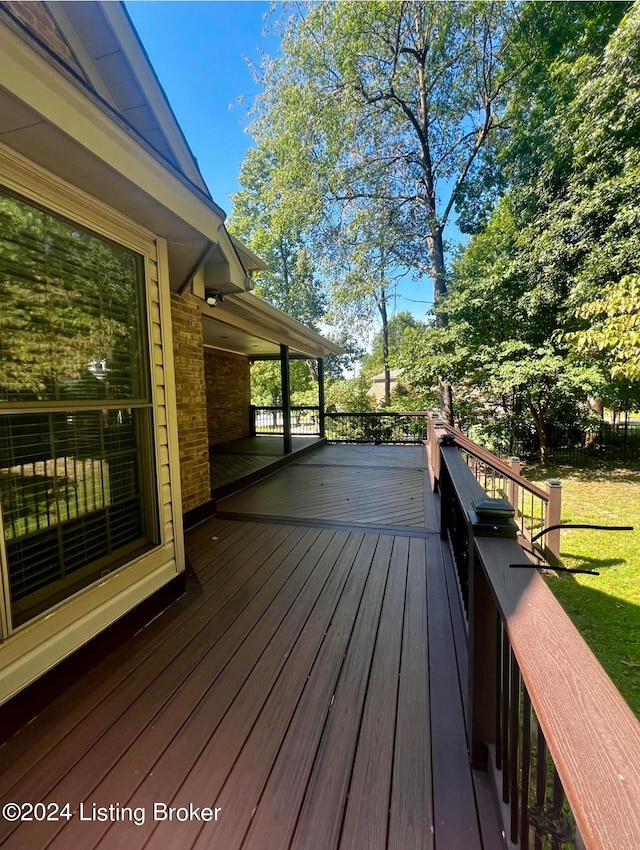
<point x="409" y="91"/>
<point x="501" y="348"/>
<point x="542" y="304"/>
<point x="264" y="223"/>
<point x="600" y="214"/>
<point x="364" y="273"/>
<point x="373" y="361"/>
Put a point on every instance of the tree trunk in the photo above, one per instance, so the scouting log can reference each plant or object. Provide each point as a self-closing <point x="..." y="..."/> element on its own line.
<point x="382" y="307"/>
<point x="541" y="430"/>
<point x="436" y="255"/>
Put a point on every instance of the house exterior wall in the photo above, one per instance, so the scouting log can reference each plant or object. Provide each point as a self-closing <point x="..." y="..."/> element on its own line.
<point x="228" y="395"/>
<point x="35" y="647"/>
<point x="190" y="400"/>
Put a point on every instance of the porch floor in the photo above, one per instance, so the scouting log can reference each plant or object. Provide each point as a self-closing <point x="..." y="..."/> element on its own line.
<point x="344" y="485"/>
<point x="308" y="685"/>
<point x="238" y="463"/>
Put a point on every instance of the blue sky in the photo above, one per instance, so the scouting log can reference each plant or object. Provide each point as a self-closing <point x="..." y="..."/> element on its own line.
<point x="199" y="51"/>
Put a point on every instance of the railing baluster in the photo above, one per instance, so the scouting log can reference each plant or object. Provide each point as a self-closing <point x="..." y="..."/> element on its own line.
<point x="541" y="780"/>
<point x="526" y="769"/>
<point x="499" y="690"/>
<point x="504" y="697"/>
<point x="514" y="723"/>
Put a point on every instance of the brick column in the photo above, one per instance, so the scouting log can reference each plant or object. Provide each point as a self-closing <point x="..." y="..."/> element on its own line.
<point x="191" y="399"/>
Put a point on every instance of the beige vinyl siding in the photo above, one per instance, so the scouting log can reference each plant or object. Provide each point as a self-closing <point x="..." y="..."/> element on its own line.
<point x="30" y="650"/>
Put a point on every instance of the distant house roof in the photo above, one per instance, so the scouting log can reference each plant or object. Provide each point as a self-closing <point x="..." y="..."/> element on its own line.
<point x="394" y="374"/>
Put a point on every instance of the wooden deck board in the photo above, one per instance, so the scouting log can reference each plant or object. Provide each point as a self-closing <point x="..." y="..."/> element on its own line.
<point x="454" y="803"/>
<point x="321" y="815"/>
<point x="92" y="758"/>
<point x="185" y="735"/>
<point x="132" y="673"/>
<point x="411" y="824"/>
<point x="346" y="454"/>
<point x="291" y="687"/>
<point x="387" y="496"/>
<point x="276" y="816"/>
<point x="239" y="458"/>
<point x="367" y="813"/>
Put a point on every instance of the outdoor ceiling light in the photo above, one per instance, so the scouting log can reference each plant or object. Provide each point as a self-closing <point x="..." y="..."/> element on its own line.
<point x="212" y="296"/>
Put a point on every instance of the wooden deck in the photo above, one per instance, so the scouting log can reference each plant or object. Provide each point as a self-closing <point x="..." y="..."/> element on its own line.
<point x="307" y="685"/>
<point x="346" y="485"/>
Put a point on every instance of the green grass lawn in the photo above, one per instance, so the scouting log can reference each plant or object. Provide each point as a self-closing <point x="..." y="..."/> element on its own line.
<point x="605" y="608"/>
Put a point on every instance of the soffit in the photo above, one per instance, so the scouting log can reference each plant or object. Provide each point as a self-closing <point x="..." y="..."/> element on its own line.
<point x="245" y="324"/>
<point x="227" y="338"/>
<point x="24" y="130"/>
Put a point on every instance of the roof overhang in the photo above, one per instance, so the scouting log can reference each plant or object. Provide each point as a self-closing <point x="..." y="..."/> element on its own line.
<point x="244" y="324"/>
<point x="47" y="116"/>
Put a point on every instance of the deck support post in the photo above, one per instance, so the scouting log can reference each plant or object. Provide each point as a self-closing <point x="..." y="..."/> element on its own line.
<point x="286" y="397"/>
<point x="321" y="396"/>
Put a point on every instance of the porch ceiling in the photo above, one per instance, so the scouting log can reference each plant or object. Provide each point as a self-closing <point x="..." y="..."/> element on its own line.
<point x="227" y="338"/>
<point x="244" y="324"/>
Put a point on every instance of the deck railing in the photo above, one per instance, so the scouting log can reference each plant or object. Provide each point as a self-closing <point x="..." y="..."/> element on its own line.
<point x="544" y="718"/>
<point x="269" y="420"/>
<point x="366" y="427"/>
<point x="535" y="509"/>
<point x="377" y="428"/>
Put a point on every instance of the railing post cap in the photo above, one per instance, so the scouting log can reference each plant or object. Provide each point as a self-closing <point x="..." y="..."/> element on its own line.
<point x="514" y="459"/>
<point x="554" y="482"/>
<point x="447" y="440"/>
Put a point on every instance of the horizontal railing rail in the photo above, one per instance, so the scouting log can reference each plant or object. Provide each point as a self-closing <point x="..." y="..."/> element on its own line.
<point x="544" y="717"/>
<point x="376" y="427"/>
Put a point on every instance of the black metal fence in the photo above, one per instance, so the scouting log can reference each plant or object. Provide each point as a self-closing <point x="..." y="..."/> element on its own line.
<point x="605" y="442"/>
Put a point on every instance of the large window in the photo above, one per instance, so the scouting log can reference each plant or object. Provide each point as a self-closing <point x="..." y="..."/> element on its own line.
<point x="76" y="451"/>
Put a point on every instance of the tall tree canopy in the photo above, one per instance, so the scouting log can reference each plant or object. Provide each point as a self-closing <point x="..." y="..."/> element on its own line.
<point x="543" y="305"/>
<point x="386" y="103"/>
<point x="277" y="234"/>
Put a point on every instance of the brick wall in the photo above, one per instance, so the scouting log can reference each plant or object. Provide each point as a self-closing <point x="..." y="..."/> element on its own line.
<point x="37" y="20"/>
<point x="192" y="406"/>
<point x="228" y="385"/>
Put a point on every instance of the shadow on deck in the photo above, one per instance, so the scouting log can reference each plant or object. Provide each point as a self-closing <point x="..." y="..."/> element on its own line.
<point x="239" y="463"/>
<point x="308" y="685"/>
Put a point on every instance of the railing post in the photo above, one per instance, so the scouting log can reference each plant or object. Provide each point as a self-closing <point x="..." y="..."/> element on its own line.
<point x="252" y="420"/>
<point x="553" y="516"/>
<point x="286" y="397"/>
<point x="516" y="466"/>
<point x="321" y="422"/>
<point x="436" y="429"/>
